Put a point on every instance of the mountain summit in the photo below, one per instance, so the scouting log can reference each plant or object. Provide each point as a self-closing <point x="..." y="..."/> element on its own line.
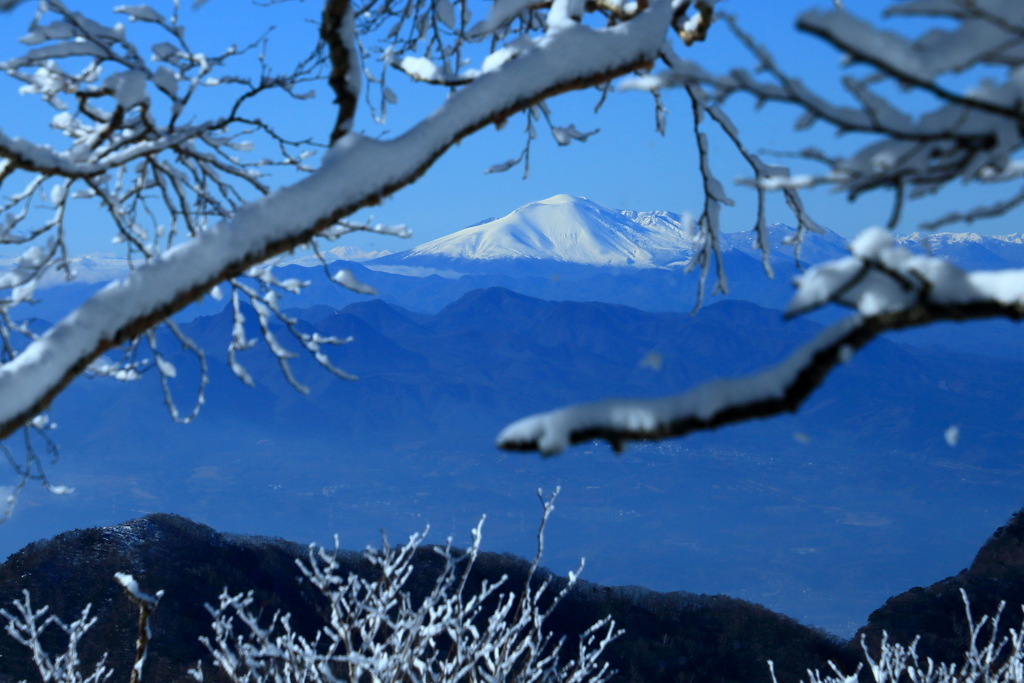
<point x="570" y="230"/>
<point x="563" y="233"/>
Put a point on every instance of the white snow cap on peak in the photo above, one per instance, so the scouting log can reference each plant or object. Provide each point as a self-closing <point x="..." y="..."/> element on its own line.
<point x="581" y="231"/>
<point x="572" y="230"/>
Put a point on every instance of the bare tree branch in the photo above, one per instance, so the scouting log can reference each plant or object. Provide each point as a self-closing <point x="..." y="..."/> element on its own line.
<point x="337" y="30"/>
<point x="357" y="172"/>
<point x="972" y="134"/>
<point x="888" y="286"/>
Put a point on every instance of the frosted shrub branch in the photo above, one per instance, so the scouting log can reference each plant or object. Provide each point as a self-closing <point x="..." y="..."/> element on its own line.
<point x="27" y="626"/>
<point x="374" y="628"/>
<point x="991" y="659"/>
<point x="375" y="631"/>
<point x="28" y="466"/>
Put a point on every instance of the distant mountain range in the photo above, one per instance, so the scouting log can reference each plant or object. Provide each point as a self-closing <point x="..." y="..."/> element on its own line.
<point x="820" y="515"/>
<point x="557" y="234"/>
<point x="563" y="249"/>
<point x="859" y="479"/>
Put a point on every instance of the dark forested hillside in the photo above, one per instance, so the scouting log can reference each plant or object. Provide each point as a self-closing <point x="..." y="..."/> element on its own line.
<point x="937" y="613"/>
<point x="669" y="636"/>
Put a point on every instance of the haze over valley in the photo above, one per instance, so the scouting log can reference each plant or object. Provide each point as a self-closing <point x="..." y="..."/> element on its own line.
<point x="821" y="515"/>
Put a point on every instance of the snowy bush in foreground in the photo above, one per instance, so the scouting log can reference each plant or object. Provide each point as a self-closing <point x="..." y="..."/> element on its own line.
<point x="374" y="629"/>
<point x="991" y="660"/>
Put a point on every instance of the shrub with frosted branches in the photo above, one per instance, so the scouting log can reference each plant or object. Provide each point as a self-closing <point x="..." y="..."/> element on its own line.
<point x="991" y="659"/>
<point x="376" y="631"/>
<point x="375" y="628"/>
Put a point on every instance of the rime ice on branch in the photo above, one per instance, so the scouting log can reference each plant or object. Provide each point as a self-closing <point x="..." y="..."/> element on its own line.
<point x="186" y="196"/>
<point x="973" y="134"/>
<point x="889" y="288"/>
<point x="374" y="630"/>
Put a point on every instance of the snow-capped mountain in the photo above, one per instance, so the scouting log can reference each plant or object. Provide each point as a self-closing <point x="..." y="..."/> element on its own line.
<point x="969" y="250"/>
<point x="87" y="268"/>
<point x="565" y="231"/>
<point x="815" y="248"/>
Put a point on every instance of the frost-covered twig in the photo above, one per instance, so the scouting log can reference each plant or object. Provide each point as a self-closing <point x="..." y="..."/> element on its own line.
<point x="709" y="235"/>
<point x="995" y="659"/>
<point x="766" y="177"/>
<point x="266" y="307"/>
<point x="376" y="631"/>
<point x="31" y="468"/>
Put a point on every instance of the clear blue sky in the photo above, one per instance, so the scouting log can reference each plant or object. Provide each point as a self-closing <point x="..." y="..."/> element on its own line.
<point x="627" y="165"/>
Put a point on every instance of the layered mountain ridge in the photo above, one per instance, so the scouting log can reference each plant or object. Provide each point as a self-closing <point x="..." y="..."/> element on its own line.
<point x="765" y="511"/>
<point x="565" y="249"/>
<point x="576" y="231"/>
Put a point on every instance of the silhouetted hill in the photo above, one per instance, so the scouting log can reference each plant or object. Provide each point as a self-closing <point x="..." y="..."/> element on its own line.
<point x="937" y="612"/>
<point x="669" y="636"/>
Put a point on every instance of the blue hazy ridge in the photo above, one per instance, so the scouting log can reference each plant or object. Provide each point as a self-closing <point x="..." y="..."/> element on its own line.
<point x="820" y="515"/>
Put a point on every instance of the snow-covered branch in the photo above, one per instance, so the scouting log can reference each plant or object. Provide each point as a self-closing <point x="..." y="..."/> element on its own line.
<point x="357" y="171"/>
<point x="972" y="134"/>
<point x="146" y="604"/>
<point x="888" y="287"/>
